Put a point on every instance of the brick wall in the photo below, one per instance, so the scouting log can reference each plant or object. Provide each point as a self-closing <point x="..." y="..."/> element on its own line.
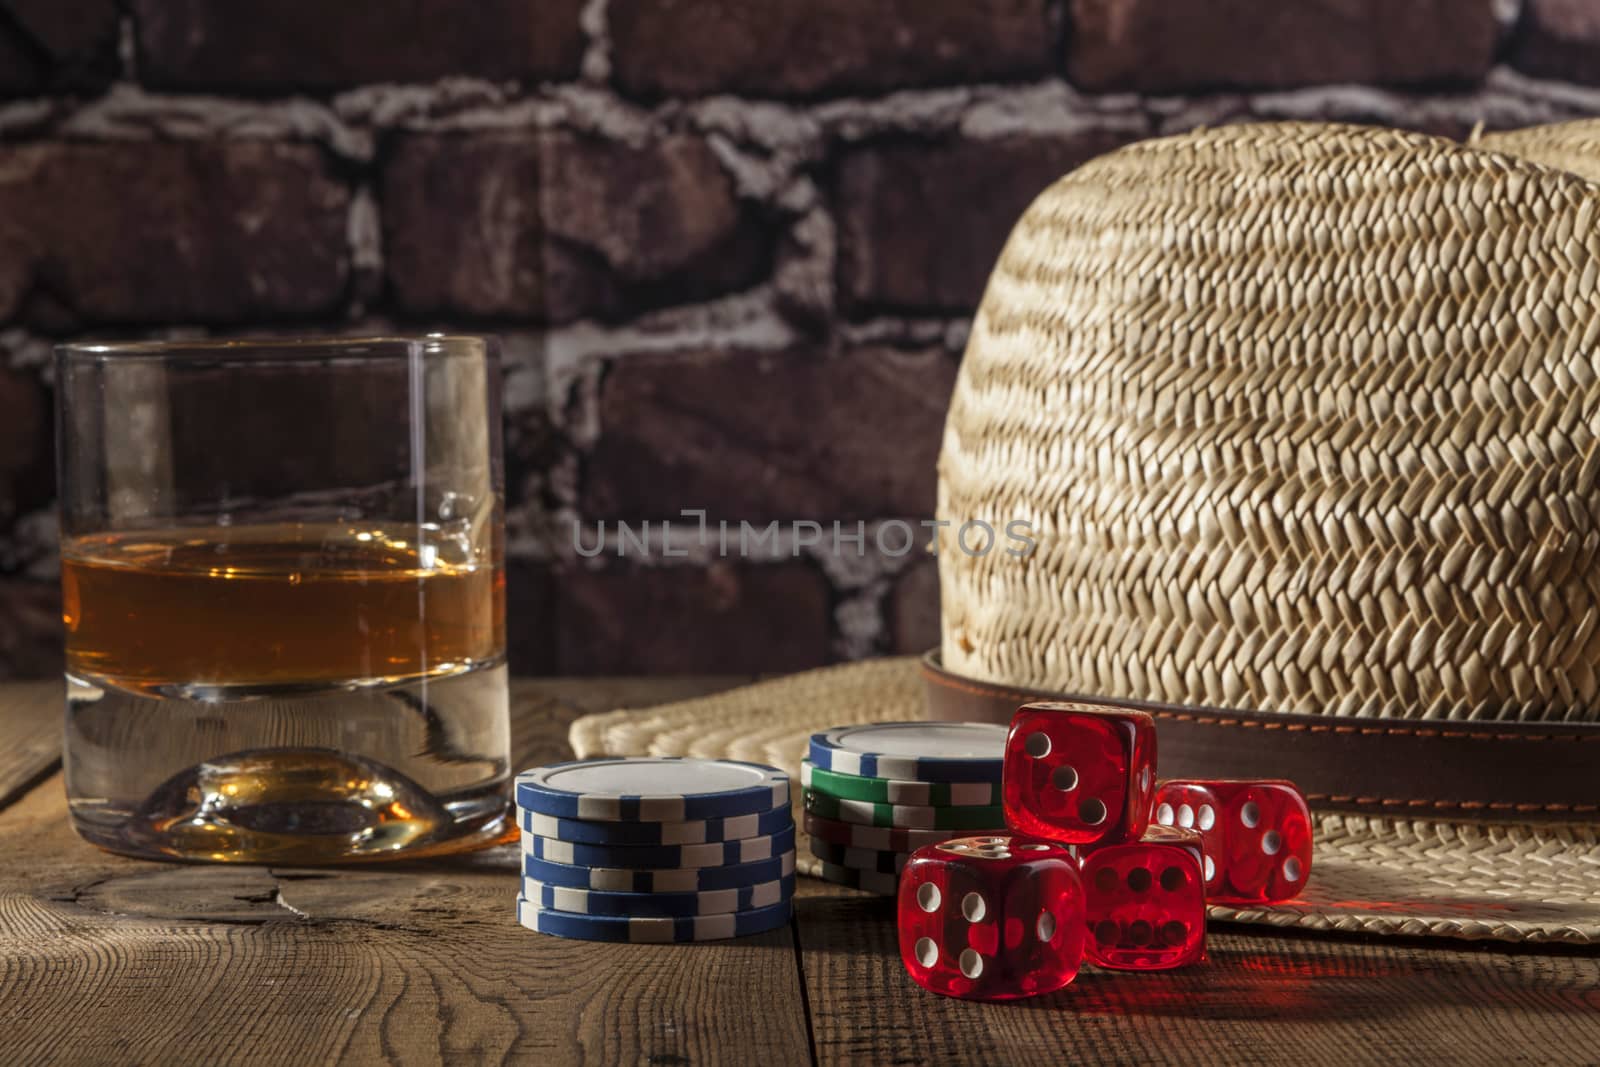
<point x="731" y="245"/>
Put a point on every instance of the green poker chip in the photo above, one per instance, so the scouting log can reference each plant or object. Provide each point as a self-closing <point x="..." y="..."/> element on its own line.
<point x="898" y="791"/>
<point x="908" y="816"/>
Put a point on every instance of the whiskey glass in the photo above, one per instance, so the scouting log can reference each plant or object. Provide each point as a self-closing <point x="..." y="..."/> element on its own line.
<point x="283" y="594"/>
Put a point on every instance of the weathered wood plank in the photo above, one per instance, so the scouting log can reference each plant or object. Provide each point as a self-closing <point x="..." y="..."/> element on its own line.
<point x="108" y="959"/>
<point x="1257" y="1000"/>
<point x="30" y="734"/>
<point x="103" y="958"/>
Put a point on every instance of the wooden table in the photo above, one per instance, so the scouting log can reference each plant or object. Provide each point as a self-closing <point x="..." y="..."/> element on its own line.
<point x="110" y="960"/>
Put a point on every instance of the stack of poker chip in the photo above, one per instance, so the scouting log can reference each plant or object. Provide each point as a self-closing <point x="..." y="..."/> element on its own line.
<point x="874" y="794"/>
<point x="655" y="849"/>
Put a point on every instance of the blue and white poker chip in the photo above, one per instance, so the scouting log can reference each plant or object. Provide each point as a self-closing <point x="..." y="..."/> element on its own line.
<point x="711" y="854"/>
<point x="914" y="751"/>
<point x="616" y="928"/>
<point x="692" y="832"/>
<point x="671" y="880"/>
<point x="661" y="905"/>
<point x="651" y="789"/>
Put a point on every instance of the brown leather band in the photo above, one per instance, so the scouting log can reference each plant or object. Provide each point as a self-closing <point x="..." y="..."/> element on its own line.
<point x="1473" y="770"/>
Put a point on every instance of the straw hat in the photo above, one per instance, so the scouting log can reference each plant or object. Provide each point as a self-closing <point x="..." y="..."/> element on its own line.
<point x="1305" y="421"/>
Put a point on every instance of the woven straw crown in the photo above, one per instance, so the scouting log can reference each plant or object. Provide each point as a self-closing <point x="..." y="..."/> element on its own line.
<point x="1303" y="418"/>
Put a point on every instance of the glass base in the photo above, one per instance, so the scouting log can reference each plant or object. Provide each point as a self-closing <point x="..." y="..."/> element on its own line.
<point x="336" y="775"/>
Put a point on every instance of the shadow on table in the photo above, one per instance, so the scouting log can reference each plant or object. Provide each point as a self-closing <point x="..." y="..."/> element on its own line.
<point x="1244" y="985"/>
<point x="1250" y="973"/>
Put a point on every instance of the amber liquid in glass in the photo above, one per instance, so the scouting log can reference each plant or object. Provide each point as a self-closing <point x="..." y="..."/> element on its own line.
<point x="286" y="647"/>
<point x="275" y="605"/>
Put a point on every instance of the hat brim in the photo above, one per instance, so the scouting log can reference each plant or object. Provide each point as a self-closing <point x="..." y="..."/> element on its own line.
<point x="1522" y="882"/>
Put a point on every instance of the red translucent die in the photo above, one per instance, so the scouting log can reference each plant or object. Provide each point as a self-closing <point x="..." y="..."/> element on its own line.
<point x="1257" y="834"/>
<point x="1079" y="774"/>
<point x="991" y="918"/>
<point x="1144" y="902"/>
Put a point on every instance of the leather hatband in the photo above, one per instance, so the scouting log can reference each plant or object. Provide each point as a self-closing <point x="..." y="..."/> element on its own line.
<point x="1479" y="770"/>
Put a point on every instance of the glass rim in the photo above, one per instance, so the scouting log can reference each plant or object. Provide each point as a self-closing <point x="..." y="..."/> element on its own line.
<point x="374" y="347"/>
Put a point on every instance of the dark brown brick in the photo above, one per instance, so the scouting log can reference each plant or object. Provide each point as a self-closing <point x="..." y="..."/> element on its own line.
<point x="798" y="48"/>
<point x="315" y="46"/>
<point x="20" y="72"/>
<point x="348" y="411"/>
<point x="921" y="223"/>
<point x="770" y="435"/>
<point x="462" y="225"/>
<point x="27" y="460"/>
<point x="530" y="610"/>
<point x="1559" y="39"/>
<point x="57" y="45"/>
<point x="1158" y="46"/>
<point x="914" y="608"/>
<point x="170" y="231"/>
<point x="678" y="620"/>
<point x="31" y="639"/>
<point x="563" y="226"/>
<point x="630" y="227"/>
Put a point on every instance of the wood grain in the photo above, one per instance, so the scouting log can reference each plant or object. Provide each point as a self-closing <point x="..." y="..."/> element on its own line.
<point x="108" y="959"/>
<point x="1256" y="1000"/>
<point x="105" y="959"/>
<point x="30" y="734"/>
